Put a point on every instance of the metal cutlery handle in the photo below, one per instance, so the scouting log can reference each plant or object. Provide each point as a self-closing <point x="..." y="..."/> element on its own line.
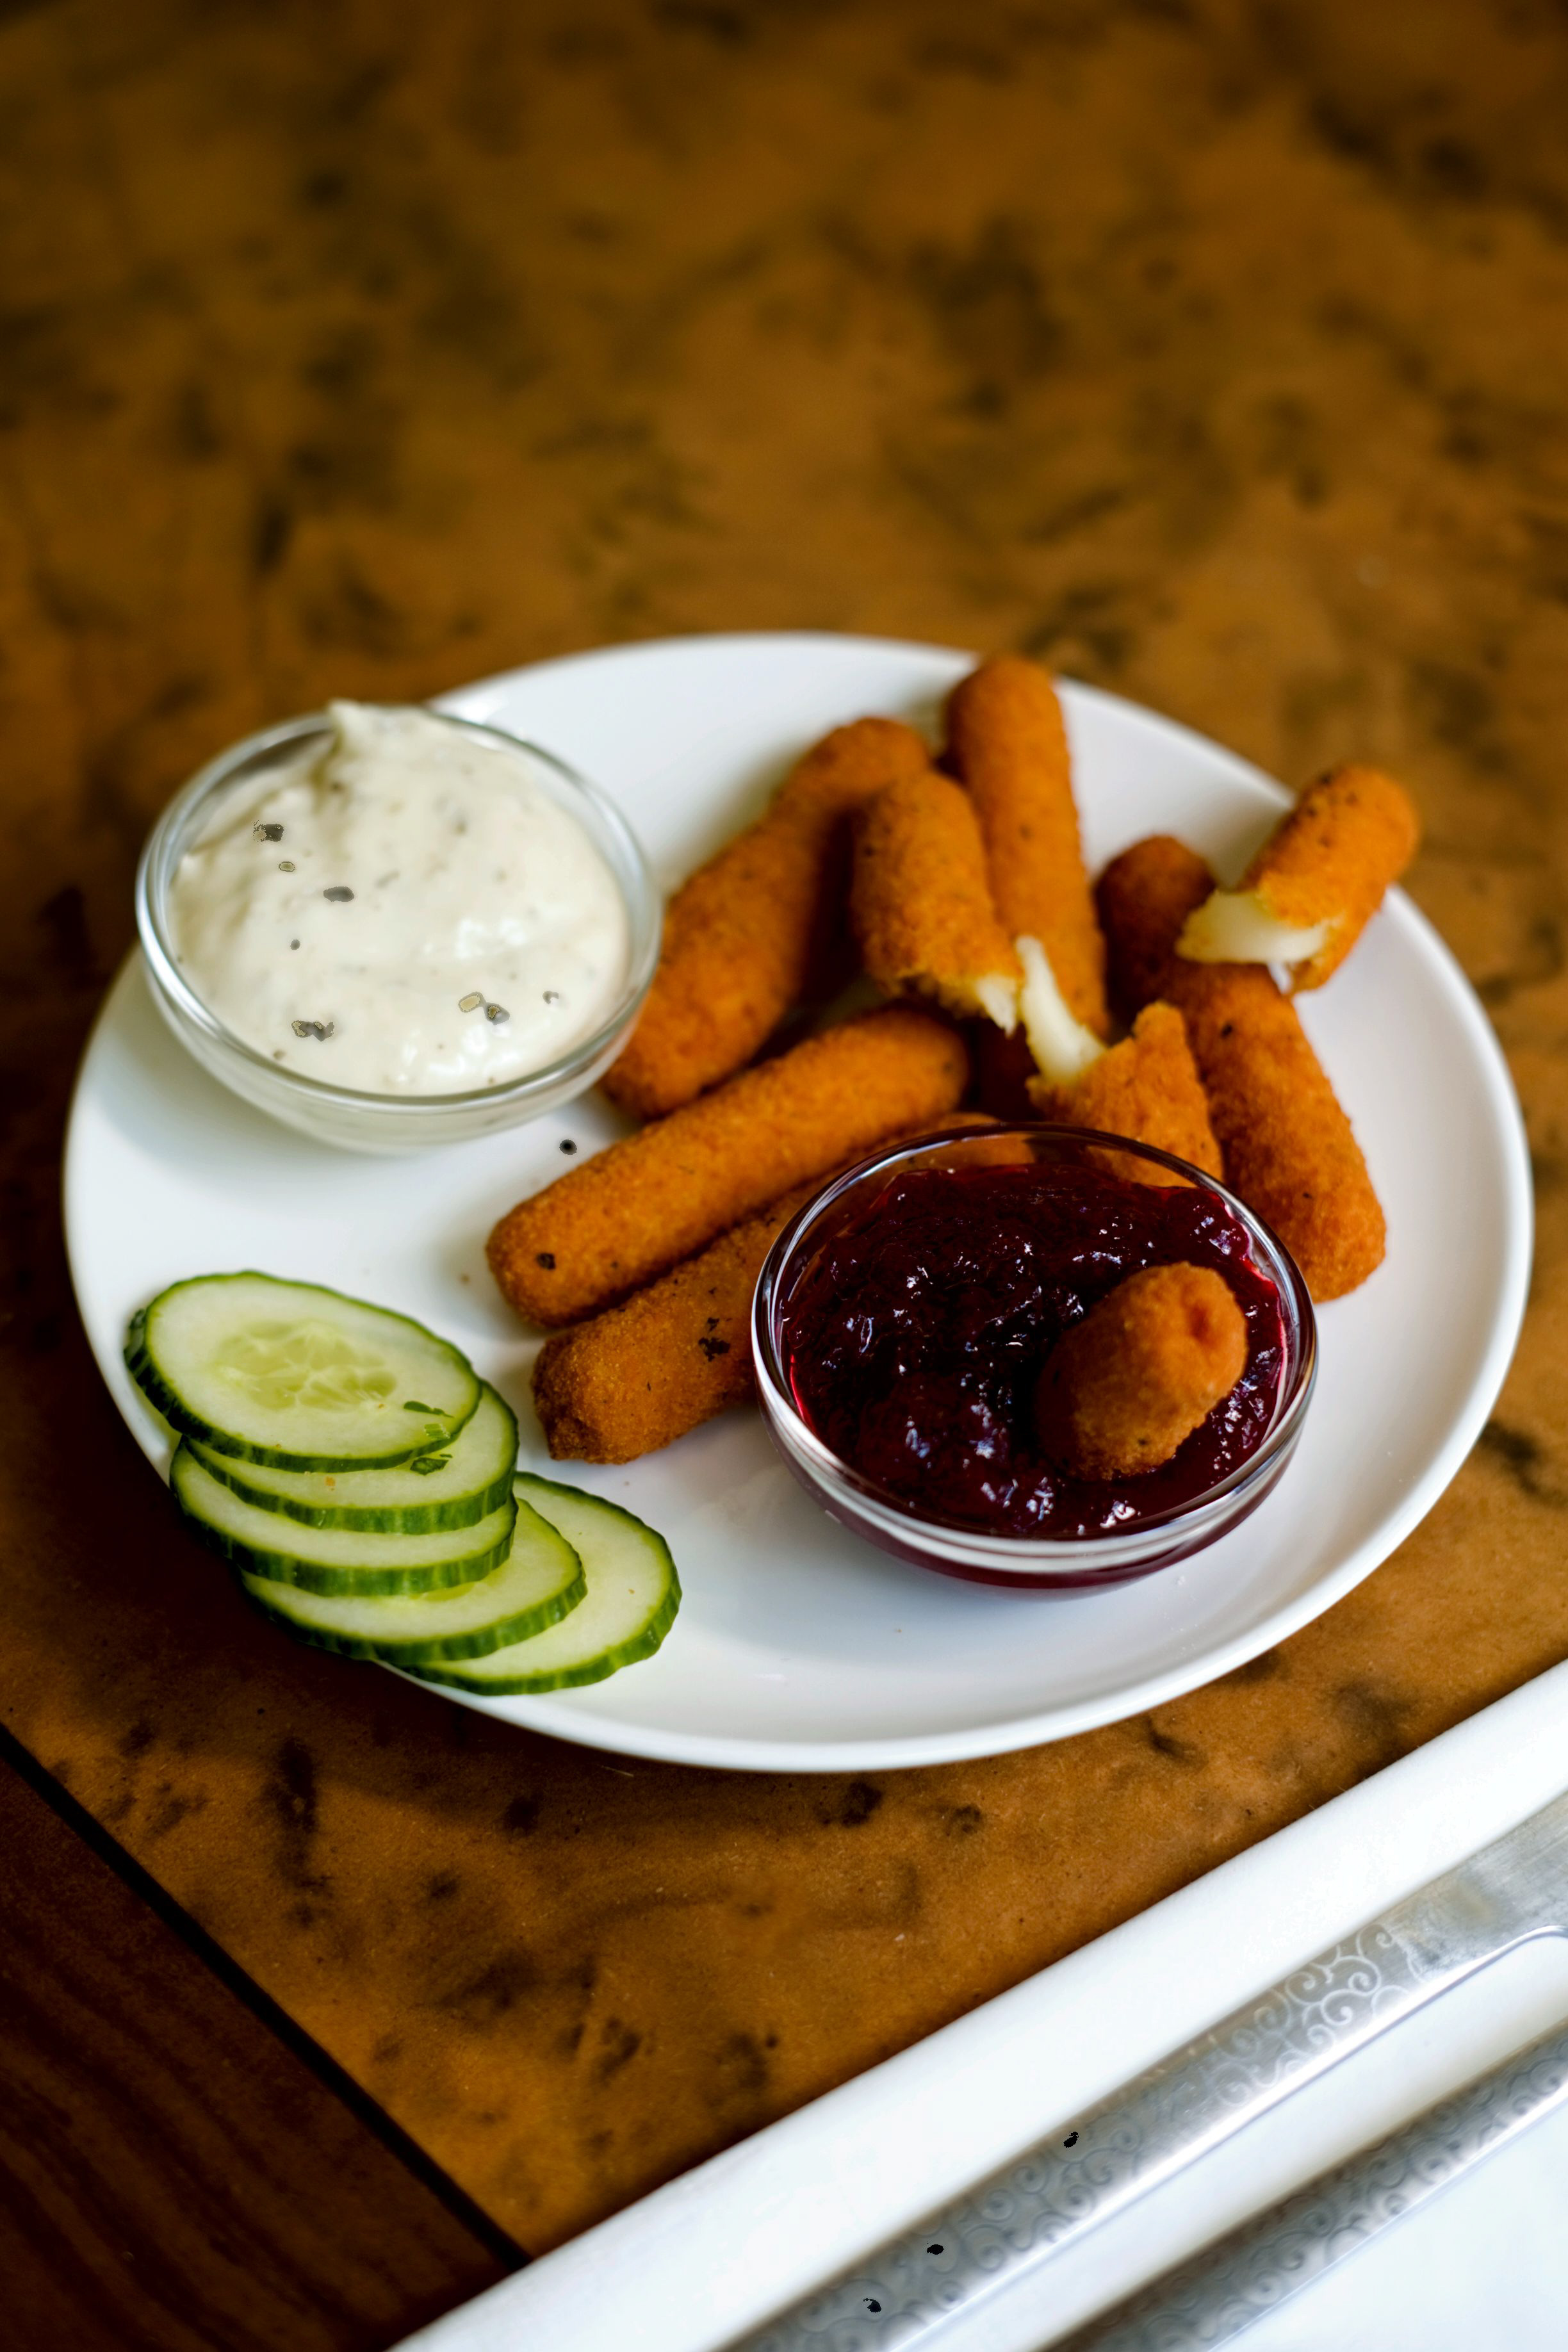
<point x="1223" y="2291"/>
<point x="1098" y="2163"/>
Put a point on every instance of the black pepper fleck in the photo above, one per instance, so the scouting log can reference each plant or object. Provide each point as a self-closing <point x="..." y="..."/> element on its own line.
<point x="313" y="1028"/>
<point x="568" y="1146"/>
<point x="552" y="996"/>
<point x="711" y="1348"/>
<point x="268" y="832"/>
<point x="546" y="1258"/>
<point x="338" y="893"/>
<point x="497" y="1012"/>
<point x="293" y="943"/>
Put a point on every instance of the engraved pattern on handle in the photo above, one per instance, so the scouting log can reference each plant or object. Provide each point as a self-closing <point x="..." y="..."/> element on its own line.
<point x="1223" y="2291"/>
<point x="1067" y="2185"/>
<point x="1064" y="2186"/>
<point x="1179" y="2108"/>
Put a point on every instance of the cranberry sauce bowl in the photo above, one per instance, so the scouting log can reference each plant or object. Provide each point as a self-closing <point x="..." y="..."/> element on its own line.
<point x="904" y="1316"/>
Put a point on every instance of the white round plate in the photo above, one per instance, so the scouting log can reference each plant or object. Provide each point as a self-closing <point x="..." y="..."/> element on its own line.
<point x="797" y="1646"/>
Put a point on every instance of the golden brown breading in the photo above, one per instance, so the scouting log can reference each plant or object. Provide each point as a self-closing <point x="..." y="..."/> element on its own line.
<point x="738" y="935"/>
<point x="920" y="901"/>
<point x="1317" y="881"/>
<point x="671" y="1357"/>
<point x="1144" y="897"/>
<point x="1126" y="1387"/>
<point x="643" y="1373"/>
<point x="1147" y="1087"/>
<point x="1289" y="1149"/>
<point x="648" y="1201"/>
<point x="1007" y="744"/>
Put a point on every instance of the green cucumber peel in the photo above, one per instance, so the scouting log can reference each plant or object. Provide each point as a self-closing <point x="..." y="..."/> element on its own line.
<point x="349" y="1561"/>
<point x="219" y="1419"/>
<point x="614" y="1627"/>
<point x="540" y="1582"/>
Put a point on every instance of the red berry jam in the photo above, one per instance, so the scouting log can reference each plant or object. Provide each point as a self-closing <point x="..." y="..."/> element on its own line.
<point x="915" y="1331"/>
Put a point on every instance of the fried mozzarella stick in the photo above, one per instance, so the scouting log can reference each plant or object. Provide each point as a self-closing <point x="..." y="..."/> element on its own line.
<point x="738" y="935"/>
<point x="1127" y="1386"/>
<point x="1288" y="1148"/>
<point x="1147" y="1087"/>
<point x="641" y="1374"/>
<point x="920" y="901"/>
<point x="650" y="1200"/>
<point x="671" y="1357"/>
<point x="1007" y="744"/>
<point x="1315" y="884"/>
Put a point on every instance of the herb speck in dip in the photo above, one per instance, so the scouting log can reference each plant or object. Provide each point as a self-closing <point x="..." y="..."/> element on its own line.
<point x="394" y="906"/>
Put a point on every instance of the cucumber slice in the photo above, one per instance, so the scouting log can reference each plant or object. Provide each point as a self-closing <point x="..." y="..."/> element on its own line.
<point x="451" y="1487"/>
<point x="296" y="1375"/>
<point x="632" y="1595"/>
<point x="539" y="1581"/>
<point x="334" y="1560"/>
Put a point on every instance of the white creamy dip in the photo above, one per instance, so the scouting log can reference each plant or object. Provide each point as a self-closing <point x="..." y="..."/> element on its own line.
<point x="404" y="909"/>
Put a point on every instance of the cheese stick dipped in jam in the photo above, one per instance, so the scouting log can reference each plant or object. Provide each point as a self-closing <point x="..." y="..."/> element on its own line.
<point x="1126" y="1387"/>
<point x="1147" y="1087"/>
<point x="738" y="935"/>
<point x="920" y="901"/>
<point x="670" y="1358"/>
<point x="655" y="1198"/>
<point x="1315" y="884"/>
<point x="1008" y="746"/>
<point x="1289" y="1149"/>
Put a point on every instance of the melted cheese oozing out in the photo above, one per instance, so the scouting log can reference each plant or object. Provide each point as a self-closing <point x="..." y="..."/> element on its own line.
<point x="1234" y="927"/>
<point x="404" y="909"/>
<point x="997" y="997"/>
<point x="1062" y="1047"/>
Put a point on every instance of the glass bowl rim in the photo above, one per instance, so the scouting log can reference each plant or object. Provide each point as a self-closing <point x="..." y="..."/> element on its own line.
<point x="830" y="1471"/>
<point x="633" y="877"/>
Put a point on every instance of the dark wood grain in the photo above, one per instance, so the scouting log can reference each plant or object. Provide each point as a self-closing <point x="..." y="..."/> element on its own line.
<point x="172" y="2179"/>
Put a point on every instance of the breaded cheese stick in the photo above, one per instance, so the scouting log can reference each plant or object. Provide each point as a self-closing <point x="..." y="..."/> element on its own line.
<point x="646" y="1202"/>
<point x="1127" y="1386"/>
<point x="1147" y="1087"/>
<point x="1144" y="897"/>
<point x="1289" y="1149"/>
<point x="920" y="901"/>
<point x="1317" y="881"/>
<point x="671" y="1357"/>
<point x="1009" y="747"/>
<point x="738" y="935"/>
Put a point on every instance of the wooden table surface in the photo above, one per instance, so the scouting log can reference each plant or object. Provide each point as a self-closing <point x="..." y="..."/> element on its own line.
<point x="1211" y="351"/>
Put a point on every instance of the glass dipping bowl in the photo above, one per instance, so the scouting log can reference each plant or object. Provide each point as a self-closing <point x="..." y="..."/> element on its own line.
<point x="1043" y="1563"/>
<point x="355" y="1120"/>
